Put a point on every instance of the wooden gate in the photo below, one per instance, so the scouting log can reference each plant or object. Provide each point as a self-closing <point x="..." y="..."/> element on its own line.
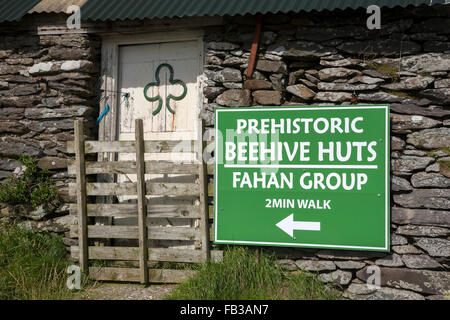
<point x="142" y="257"/>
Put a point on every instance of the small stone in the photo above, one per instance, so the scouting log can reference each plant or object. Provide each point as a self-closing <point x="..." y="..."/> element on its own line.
<point x="257" y="85"/>
<point x="330" y="74"/>
<point x="287" y="264"/>
<point x="413" y="83"/>
<point x="51" y="163"/>
<point x="435" y="167"/>
<point x="267" y="97"/>
<point x="441" y="95"/>
<point x="432" y="180"/>
<point x="444" y="83"/>
<point x="393" y="260"/>
<point x="366" y="80"/>
<point x="379" y="97"/>
<point x="235" y="98"/>
<point x="338" y="277"/>
<point x="435" y="247"/>
<point x="430" y="138"/>
<point x="410" y="163"/>
<point x="394" y="294"/>
<point x="398" y="240"/>
<point x="397" y="143"/>
<point x="400" y="184"/>
<point x="420" y="217"/>
<point x="413" y="109"/>
<point x="420" y="261"/>
<point x="361" y="289"/>
<point x="301" y="91"/>
<point x="330" y="86"/>
<point x="406" y="249"/>
<point x="222" y="46"/>
<point x="271" y="66"/>
<point x="425" y="198"/>
<point x="333" y="96"/>
<point x="350" y="265"/>
<point x="212" y="92"/>
<point x="406" y="122"/>
<point x="426" y="231"/>
<point x="312" y="265"/>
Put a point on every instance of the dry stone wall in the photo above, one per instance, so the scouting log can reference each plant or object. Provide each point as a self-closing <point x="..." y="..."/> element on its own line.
<point x="46" y="82"/>
<point x="323" y="59"/>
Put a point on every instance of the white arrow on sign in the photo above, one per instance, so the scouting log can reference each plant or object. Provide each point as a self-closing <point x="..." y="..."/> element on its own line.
<point x="288" y="225"/>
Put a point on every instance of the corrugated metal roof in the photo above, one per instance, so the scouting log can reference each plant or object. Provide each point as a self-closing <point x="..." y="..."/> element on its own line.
<point x="55" y="6"/>
<point x="11" y="10"/>
<point x="140" y="9"/>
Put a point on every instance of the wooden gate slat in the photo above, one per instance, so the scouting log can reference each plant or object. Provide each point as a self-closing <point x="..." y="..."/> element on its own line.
<point x="132" y="275"/>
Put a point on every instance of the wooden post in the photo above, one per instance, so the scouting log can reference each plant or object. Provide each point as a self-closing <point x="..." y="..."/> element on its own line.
<point x="142" y="202"/>
<point x="203" y="187"/>
<point x="81" y="195"/>
<point x="254" y="48"/>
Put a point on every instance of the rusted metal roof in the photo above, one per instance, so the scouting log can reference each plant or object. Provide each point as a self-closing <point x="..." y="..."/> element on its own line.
<point x="15" y="10"/>
<point x="104" y="10"/>
<point x="55" y="6"/>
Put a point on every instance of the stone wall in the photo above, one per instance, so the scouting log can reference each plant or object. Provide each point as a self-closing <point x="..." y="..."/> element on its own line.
<point x="324" y="59"/>
<point x="46" y="82"/>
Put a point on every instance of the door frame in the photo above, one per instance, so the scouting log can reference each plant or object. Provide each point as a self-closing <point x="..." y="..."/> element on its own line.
<point x="108" y="127"/>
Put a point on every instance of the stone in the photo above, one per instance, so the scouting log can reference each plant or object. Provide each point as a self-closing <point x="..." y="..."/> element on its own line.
<point x="330" y="86"/>
<point x="42" y="68"/>
<point x="441" y="95"/>
<point x="233" y="85"/>
<point x="78" y="65"/>
<point x="420" y="261"/>
<point x="300" y="50"/>
<point x="360" y="289"/>
<point x="337" y="277"/>
<point x="413" y="83"/>
<point x="425" y="198"/>
<point x="414" y="109"/>
<point x="406" y="122"/>
<point x="426" y="231"/>
<point x="433" y="168"/>
<point x="350" y="265"/>
<point x="379" y="97"/>
<point x="45" y="113"/>
<point x="393" y="260"/>
<point x="211" y="59"/>
<point x="431" y="180"/>
<point x="397" y="143"/>
<point x="301" y="91"/>
<point x="256" y="84"/>
<point x="13" y="127"/>
<point x="406" y="249"/>
<point x="380" y="47"/>
<point x="422" y="281"/>
<point x="51" y="163"/>
<point x="15" y="146"/>
<point x="222" y="46"/>
<point x="267" y="97"/>
<point x="435" y="247"/>
<point x="348" y="255"/>
<point x="235" y="98"/>
<point x="366" y="80"/>
<point x="315" y="265"/>
<point x="26" y="90"/>
<point x="271" y="66"/>
<point x="333" y="96"/>
<point x="398" y="240"/>
<point x="394" y="294"/>
<point x="377" y="74"/>
<point x="443" y="83"/>
<point x="330" y="74"/>
<point x="430" y="138"/>
<point x="212" y="92"/>
<point x="420" y="217"/>
<point x="425" y="63"/>
<point x="340" y="63"/>
<point x="417" y="153"/>
<point x="287" y="264"/>
<point x="400" y="184"/>
<point x="410" y="163"/>
<point x="295" y="76"/>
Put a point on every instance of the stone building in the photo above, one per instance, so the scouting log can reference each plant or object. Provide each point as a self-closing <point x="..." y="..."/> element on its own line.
<point x="309" y="53"/>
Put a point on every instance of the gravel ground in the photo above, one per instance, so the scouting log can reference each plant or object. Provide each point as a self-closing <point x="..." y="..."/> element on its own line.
<point x="124" y="291"/>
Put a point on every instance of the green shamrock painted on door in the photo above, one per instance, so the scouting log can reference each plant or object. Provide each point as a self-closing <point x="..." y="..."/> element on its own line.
<point x="157" y="82"/>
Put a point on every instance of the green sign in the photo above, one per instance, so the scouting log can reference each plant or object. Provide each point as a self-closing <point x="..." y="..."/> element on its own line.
<point x="314" y="177"/>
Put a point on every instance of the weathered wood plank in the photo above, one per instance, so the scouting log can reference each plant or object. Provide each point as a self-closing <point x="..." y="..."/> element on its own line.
<point x="129" y="210"/>
<point x="131" y="232"/>
<point x="129" y="167"/>
<point x="81" y="195"/>
<point x="154" y="254"/>
<point x="151" y="146"/>
<point x="203" y="194"/>
<point x="142" y="201"/>
<point x="132" y="275"/>
<point x="130" y="189"/>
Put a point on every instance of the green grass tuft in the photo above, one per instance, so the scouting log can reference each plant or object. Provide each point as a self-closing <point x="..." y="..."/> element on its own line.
<point x="247" y="274"/>
<point x="32" y="266"/>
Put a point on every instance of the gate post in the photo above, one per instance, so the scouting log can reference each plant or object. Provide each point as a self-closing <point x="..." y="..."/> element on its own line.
<point x="203" y="183"/>
<point x="81" y="196"/>
<point x="142" y="201"/>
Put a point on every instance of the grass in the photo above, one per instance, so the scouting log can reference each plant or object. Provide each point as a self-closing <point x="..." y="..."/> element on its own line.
<point x="32" y="266"/>
<point x="247" y="274"/>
